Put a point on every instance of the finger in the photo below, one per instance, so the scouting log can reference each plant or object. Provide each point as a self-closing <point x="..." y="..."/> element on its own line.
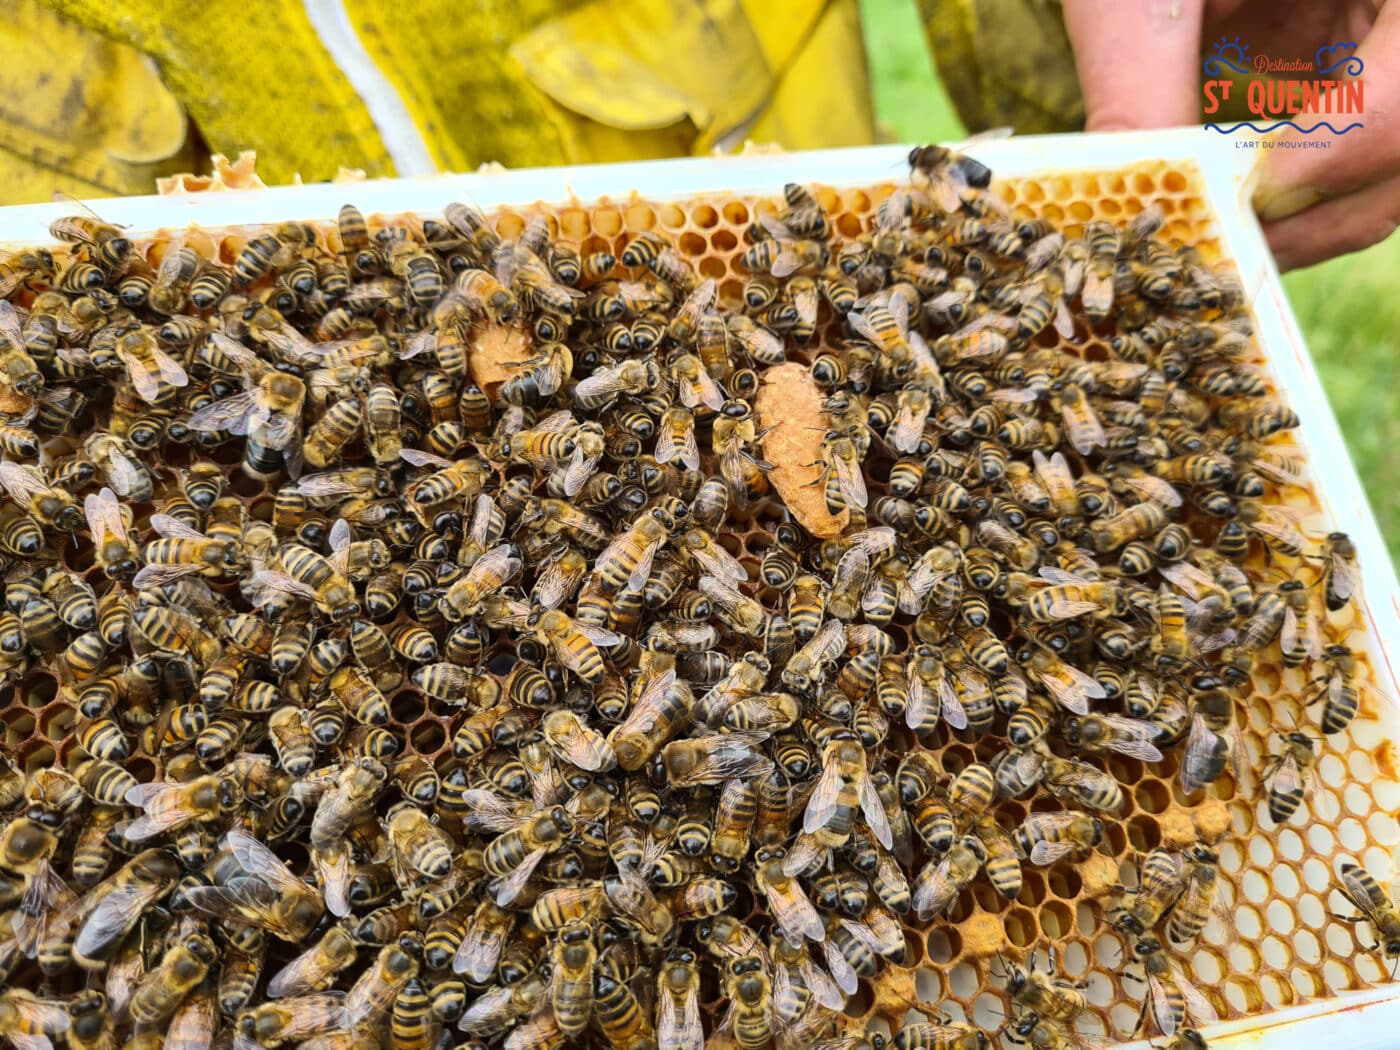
<point x="1293" y="179"/>
<point x="1335" y="227"/>
<point x="1109" y="41"/>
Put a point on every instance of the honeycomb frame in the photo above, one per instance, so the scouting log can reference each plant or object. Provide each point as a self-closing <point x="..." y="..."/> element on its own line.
<point x="1282" y="947"/>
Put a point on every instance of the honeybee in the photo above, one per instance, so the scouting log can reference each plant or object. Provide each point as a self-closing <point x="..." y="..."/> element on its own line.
<point x="268" y="414"/>
<point x="1377" y="908"/>
<point x="1067" y="684"/>
<point x="170" y="806"/>
<point x="1085" y="784"/>
<point x="1126" y="736"/>
<point x="108" y="522"/>
<point x="273" y="899"/>
<point x="1340" y="574"/>
<point x="944" y="1034"/>
<point x="372" y="995"/>
<point x="292" y="1020"/>
<point x="950" y="173"/>
<point x="1341" y="688"/>
<point x="1161" y="880"/>
<point x="844" y="786"/>
<point x="515" y="854"/>
<point x="1171" y="998"/>
<point x="121" y="466"/>
<point x="316" y="968"/>
<point x="1198" y="901"/>
<point x="111" y="910"/>
<point x="1044" y="838"/>
<point x="50" y="507"/>
<point x="353" y="790"/>
<point x="577" y="743"/>
<point x="301" y="572"/>
<point x="1041" y="993"/>
<point x="29" y="1022"/>
<point x="179" y="972"/>
<point x="940" y="881"/>
<point x="714" y="759"/>
<point x="627" y="561"/>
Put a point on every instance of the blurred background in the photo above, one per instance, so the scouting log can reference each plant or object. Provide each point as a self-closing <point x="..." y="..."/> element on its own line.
<point x="1348" y="310"/>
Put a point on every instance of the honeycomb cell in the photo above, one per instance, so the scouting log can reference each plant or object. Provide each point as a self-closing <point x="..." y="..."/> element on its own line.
<point x="56" y="720"/>
<point x="34" y="754"/>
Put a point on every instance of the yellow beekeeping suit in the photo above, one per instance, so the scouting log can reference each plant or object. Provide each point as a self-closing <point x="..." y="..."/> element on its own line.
<point x="102" y="96"/>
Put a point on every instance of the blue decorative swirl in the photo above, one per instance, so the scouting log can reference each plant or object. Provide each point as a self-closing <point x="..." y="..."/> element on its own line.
<point x="1283" y="124"/>
<point x="1217" y="64"/>
<point x="1353" y="63"/>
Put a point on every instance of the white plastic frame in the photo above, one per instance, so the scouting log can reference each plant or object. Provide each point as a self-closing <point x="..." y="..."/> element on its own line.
<point x="1360" y="1020"/>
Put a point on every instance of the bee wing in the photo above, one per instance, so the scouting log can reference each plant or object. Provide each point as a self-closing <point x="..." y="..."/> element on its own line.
<point x="849" y="477"/>
<point x="864" y="328"/>
<point x="161" y="802"/>
<point x="259" y="861"/>
<point x="554" y="585"/>
<point x="168" y="526"/>
<point x="1096" y="294"/>
<point x="821" y="807"/>
<point x="874" y="810"/>
<point x="292" y="345"/>
<point x="716" y="561"/>
<point x="47" y="903"/>
<point x="170" y="370"/>
<point x="953" y="711"/>
<point x="153" y="576"/>
<point x="1279" y="529"/>
<point x="1054" y="474"/>
<point x="371" y="996"/>
<point x="602" y="383"/>
<point x="1072" y="697"/>
<point x="21" y="481"/>
<point x="417" y="458"/>
<point x="796" y="916"/>
<point x="11" y="326"/>
<point x="1198" y="1007"/>
<point x="1201" y="744"/>
<point x="1062" y="608"/>
<point x="711" y="396"/>
<point x="806" y="302"/>
<point x="1043" y="853"/>
<point x="582" y="466"/>
<point x="825" y="990"/>
<point x="933" y="889"/>
<point x="333" y="869"/>
<point x="678" y="1026"/>
<point x="1134" y="737"/>
<point x="1344" y="576"/>
<point x="907" y="431"/>
<point x="1159" y="490"/>
<point x="232" y="414"/>
<point x="682" y="446"/>
<point x="302" y="974"/>
<point x="104" y="516"/>
<point x="480" y="951"/>
<point x="487" y="811"/>
<point x="918" y="710"/>
<point x="515" y="884"/>
<point x="113" y="914"/>
<point x="1190" y="579"/>
<point x="587" y="751"/>
<point x="267" y="583"/>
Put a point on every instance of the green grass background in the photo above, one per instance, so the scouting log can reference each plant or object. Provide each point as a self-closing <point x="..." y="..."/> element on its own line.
<point x="1348" y="308"/>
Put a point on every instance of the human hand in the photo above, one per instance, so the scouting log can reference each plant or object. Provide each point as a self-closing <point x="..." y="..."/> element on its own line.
<point x="1139" y="67"/>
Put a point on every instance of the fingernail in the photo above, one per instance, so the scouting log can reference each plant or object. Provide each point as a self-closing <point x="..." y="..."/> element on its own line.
<point x="1273" y="203"/>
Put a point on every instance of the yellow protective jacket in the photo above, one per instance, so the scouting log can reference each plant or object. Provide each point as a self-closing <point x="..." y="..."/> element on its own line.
<point x="100" y="97"/>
